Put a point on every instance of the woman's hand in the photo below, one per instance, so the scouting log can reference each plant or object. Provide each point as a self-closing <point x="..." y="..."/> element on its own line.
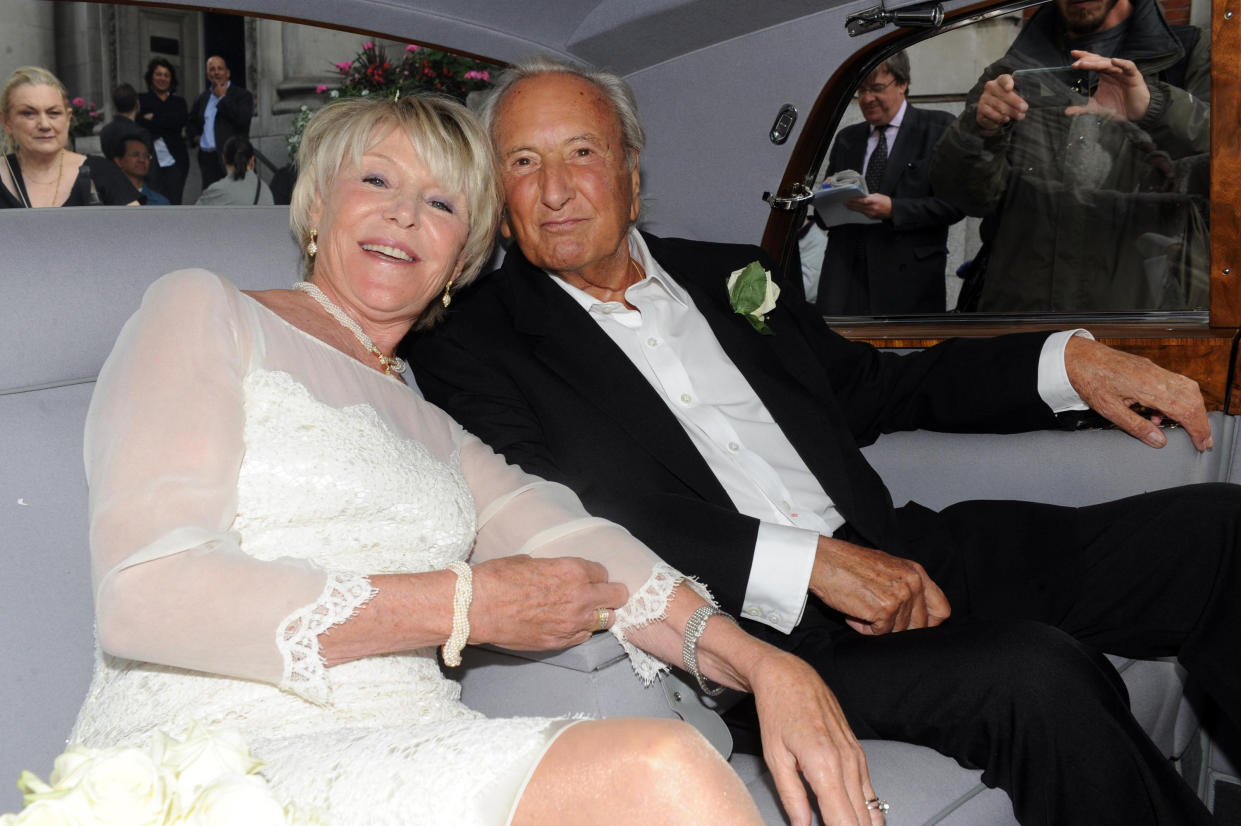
<point x="805" y="735"/>
<point x="531" y="604"/>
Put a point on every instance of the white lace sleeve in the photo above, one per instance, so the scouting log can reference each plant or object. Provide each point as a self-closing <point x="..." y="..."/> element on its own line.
<point x="520" y="513"/>
<point x="305" y="673"/>
<point x="650" y="604"/>
<point x="163" y="448"/>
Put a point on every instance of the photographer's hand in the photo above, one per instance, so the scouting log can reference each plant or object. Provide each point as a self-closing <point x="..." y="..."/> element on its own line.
<point x="998" y="105"/>
<point x="1122" y="93"/>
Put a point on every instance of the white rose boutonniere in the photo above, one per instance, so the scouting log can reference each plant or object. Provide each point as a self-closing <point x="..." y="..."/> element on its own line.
<point x="753" y="294"/>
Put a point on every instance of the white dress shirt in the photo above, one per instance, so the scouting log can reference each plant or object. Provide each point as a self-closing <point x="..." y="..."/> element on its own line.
<point x="671" y="344"/>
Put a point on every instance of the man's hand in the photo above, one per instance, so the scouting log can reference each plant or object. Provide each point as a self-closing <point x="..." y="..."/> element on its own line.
<point x="531" y="604"/>
<point x="1122" y="93"/>
<point x="874" y="205"/>
<point x="878" y="592"/>
<point x="804" y="732"/>
<point x="219" y="89"/>
<point x="1111" y="382"/>
<point x="998" y="105"/>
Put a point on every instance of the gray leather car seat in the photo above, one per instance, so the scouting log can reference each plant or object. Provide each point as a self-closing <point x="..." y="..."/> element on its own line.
<point x="59" y="322"/>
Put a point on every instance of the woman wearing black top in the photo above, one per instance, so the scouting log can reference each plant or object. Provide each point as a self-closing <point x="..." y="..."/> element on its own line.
<point x="37" y="170"/>
<point x="164" y="114"/>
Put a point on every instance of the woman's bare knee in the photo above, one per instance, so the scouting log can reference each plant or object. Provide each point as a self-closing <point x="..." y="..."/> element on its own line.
<point x="613" y="771"/>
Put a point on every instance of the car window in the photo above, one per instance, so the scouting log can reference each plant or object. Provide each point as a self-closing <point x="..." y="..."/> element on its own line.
<point x="287" y="69"/>
<point x="1097" y="211"/>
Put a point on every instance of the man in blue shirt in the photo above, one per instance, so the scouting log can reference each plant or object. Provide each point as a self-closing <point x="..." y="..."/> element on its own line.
<point x="219" y="113"/>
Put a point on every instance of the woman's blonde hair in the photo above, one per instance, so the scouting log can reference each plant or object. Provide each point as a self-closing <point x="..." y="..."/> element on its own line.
<point x="447" y="138"/>
<point x="27" y="76"/>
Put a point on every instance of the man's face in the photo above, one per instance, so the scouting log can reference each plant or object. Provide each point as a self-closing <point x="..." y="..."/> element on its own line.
<point x="217" y="71"/>
<point x="570" y="190"/>
<point x="880" y="97"/>
<point x="135" y="163"/>
<point x="1083" y="17"/>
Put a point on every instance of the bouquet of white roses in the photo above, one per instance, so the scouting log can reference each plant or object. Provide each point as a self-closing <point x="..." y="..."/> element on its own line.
<point x="202" y="779"/>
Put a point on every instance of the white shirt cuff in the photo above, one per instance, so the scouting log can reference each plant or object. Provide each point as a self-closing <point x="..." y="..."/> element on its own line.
<point x="780" y="575"/>
<point x="1053" y="379"/>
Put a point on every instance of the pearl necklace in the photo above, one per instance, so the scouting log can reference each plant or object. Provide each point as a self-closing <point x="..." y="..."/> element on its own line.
<point x="391" y="364"/>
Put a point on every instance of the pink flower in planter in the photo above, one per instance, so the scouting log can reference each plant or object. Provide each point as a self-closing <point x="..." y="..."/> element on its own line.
<point x="367" y="46"/>
<point x="412" y="48"/>
<point x="345" y="65"/>
<point x="321" y="88"/>
<point x="78" y="101"/>
<point x="476" y="75"/>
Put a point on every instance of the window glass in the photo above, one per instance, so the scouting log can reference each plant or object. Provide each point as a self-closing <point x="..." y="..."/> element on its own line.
<point x="286" y="70"/>
<point x="1096" y="201"/>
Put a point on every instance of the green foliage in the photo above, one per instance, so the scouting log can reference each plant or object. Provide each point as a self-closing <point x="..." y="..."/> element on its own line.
<point x="420" y="69"/>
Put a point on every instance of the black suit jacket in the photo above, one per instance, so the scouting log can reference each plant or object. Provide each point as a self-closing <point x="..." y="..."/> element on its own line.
<point x="232" y="116"/>
<point x="524" y="367"/>
<point x="906" y="255"/>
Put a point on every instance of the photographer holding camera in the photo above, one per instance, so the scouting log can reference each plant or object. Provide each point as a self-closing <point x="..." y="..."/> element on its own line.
<point x="1085" y="148"/>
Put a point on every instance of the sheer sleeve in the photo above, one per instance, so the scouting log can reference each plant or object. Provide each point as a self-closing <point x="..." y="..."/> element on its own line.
<point x="163" y="448"/>
<point x="523" y="514"/>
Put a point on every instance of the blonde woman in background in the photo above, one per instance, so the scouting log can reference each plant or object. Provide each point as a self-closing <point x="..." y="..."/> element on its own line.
<point x="38" y="169"/>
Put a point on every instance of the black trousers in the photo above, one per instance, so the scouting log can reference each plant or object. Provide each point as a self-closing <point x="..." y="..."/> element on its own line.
<point x="1014" y="682"/>
<point x="211" y="167"/>
<point x="169" y="181"/>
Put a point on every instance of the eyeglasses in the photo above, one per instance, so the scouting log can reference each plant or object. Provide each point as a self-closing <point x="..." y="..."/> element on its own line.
<point x="873" y="89"/>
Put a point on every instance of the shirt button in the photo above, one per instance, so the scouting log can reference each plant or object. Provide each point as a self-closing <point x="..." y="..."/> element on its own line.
<point x="774" y="617"/>
<point x="734" y="447"/>
<point x="685" y="398"/>
<point x="753" y="610"/>
<point x="652" y="342"/>
<point x="786" y="506"/>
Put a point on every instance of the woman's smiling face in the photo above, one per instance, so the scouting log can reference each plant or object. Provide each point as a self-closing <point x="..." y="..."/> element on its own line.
<point x="390" y="235"/>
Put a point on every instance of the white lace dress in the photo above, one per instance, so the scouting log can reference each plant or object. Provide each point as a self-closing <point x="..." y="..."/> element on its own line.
<point x="245" y="480"/>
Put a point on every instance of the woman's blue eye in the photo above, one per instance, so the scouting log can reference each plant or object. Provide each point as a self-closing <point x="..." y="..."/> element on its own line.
<point x="374" y="179"/>
<point x="444" y="205"/>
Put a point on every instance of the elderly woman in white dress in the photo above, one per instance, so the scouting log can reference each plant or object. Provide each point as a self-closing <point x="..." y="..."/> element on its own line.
<point x="283" y="532"/>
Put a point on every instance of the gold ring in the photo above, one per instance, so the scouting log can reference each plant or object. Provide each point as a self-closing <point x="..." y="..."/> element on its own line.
<point x="602" y="615"/>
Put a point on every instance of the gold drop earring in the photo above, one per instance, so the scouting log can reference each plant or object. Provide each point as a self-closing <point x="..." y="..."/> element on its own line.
<point x="447" y="299"/>
<point x="312" y="248"/>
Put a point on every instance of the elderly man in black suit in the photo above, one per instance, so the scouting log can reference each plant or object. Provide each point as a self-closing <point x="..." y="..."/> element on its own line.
<point x="895" y="266"/>
<point x="219" y="113"/>
<point x="630" y="368"/>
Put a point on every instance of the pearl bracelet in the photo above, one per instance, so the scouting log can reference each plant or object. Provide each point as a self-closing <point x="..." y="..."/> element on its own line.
<point x="462" y="596"/>
<point x="694" y="629"/>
